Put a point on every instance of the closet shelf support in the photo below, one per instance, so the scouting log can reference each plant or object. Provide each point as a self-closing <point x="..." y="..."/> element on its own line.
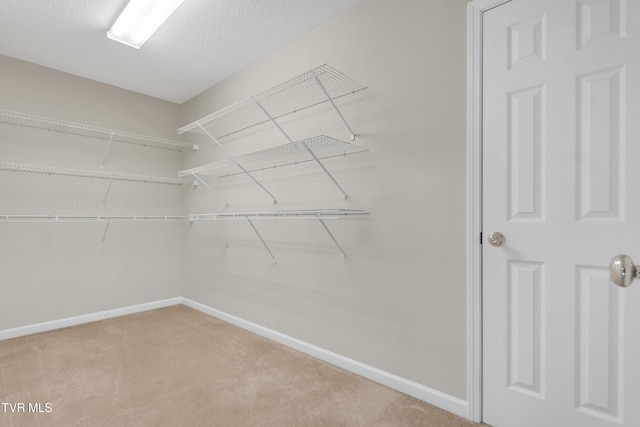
<point x="104" y="235"/>
<point x="229" y="157"/>
<point x="209" y="188"/>
<point x="106" y="149"/>
<point x="335" y="242"/>
<point x="324" y="90"/>
<point x="104" y="200"/>
<point x="304" y="144"/>
<point x="273" y="258"/>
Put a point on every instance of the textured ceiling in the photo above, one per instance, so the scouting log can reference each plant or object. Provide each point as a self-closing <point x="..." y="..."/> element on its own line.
<point x="202" y="43"/>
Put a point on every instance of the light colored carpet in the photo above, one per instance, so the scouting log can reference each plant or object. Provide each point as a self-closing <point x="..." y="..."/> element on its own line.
<point x="178" y="367"/>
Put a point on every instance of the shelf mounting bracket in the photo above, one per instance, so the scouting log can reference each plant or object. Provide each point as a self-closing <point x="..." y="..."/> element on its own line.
<point x="210" y="188"/>
<point x="104" y="200"/>
<point x="106" y="149"/>
<point x="230" y="157"/>
<point x="104" y="235"/>
<point x="273" y="259"/>
<point x="324" y="90"/>
<point x="313" y="155"/>
<point x="335" y="242"/>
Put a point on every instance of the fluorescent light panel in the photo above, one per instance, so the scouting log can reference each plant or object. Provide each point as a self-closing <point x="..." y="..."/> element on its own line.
<point x="140" y="19"/>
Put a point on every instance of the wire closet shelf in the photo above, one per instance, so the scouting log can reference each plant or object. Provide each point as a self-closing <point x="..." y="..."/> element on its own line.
<point x="90" y="218"/>
<point x="292" y="153"/>
<point x="116" y="176"/>
<point x="311" y="214"/>
<point x="319" y="215"/>
<point x="317" y="86"/>
<point x="61" y="126"/>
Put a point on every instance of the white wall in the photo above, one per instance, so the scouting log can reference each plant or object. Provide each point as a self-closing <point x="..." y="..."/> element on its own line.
<point x="398" y="301"/>
<point x="50" y="271"/>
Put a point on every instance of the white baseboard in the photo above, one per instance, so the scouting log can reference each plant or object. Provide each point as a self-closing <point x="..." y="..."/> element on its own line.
<point x="426" y="394"/>
<point x="86" y="318"/>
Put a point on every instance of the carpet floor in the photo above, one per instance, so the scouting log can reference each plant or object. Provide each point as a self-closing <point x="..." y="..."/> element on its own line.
<point x="178" y="367"/>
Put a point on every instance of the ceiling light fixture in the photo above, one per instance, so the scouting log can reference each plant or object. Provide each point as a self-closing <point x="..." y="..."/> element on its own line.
<point x="140" y="19"/>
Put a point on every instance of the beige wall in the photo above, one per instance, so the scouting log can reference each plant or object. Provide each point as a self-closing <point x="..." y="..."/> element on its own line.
<point x="398" y="301"/>
<point x="50" y="271"/>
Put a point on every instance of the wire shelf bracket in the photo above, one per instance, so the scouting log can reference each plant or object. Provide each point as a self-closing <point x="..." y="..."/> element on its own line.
<point x="273" y="258"/>
<point x="335" y="242"/>
<point x="106" y="150"/>
<point x="195" y="175"/>
<point x="104" y="200"/>
<point x="335" y="107"/>
<point x="229" y="157"/>
<point x="104" y="235"/>
<point x="304" y="145"/>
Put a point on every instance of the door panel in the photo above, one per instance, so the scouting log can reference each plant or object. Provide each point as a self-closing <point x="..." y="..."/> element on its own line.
<point x="561" y="180"/>
<point x="599" y="317"/>
<point x="525" y="327"/>
<point x="600" y="125"/>
<point x="526" y="109"/>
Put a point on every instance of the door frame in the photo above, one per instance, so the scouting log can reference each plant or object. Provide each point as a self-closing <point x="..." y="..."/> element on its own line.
<point x="475" y="11"/>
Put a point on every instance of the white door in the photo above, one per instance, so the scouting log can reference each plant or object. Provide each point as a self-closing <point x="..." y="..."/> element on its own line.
<point x="561" y="182"/>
